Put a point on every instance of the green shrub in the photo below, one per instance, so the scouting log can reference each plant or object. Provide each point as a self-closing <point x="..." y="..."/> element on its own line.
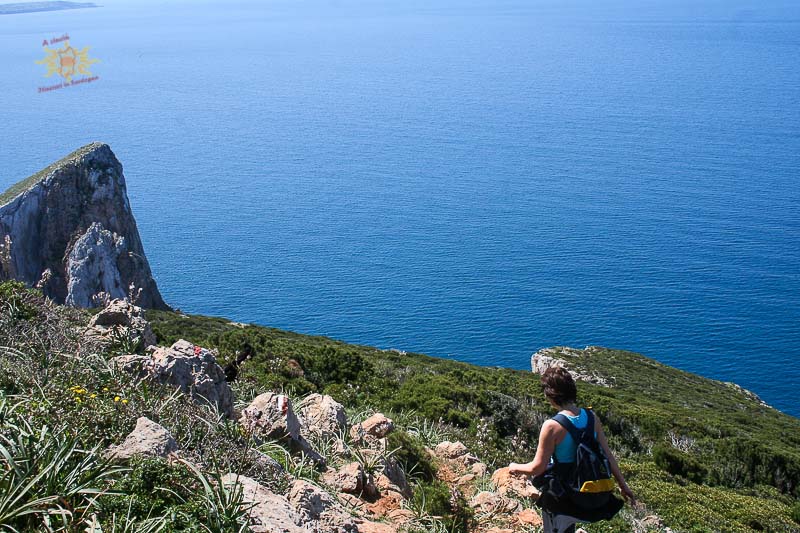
<point x="438" y="500"/>
<point x="436" y="397"/>
<point x="503" y="412"/>
<point x="331" y="364"/>
<point x="17" y="301"/>
<point x="796" y="512"/>
<point x="411" y="454"/>
<point x="678" y="463"/>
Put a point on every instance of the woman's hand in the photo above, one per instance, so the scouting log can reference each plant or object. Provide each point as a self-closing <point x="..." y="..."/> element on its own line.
<point x="520" y="469"/>
<point x="628" y="494"/>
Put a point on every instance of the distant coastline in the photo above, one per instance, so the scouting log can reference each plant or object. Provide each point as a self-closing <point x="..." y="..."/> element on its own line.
<point x="34" y="7"/>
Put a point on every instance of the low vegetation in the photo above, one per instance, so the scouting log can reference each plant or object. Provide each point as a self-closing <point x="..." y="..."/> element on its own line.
<point x="703" y="455"/>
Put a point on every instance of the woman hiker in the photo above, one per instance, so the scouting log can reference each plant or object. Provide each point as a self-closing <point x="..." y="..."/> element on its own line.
<point x="557" y="448"/>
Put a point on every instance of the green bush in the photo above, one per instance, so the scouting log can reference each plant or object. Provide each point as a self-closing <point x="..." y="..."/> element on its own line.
<point x="331" y="364"/>
<point x="796" y="512"/>
<point x="411" y="454"/>
<point x="437" y="499"/>
<point x="436" y="397"/>
<point x="503" y="412"/>
<point x="678" y="463"/>
<point x="17" y="301"/>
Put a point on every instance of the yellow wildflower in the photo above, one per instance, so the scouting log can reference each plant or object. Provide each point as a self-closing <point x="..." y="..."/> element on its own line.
<point x="116" y="398"/>
<point x="93" y="395"/>
<point x="124" y="401"/>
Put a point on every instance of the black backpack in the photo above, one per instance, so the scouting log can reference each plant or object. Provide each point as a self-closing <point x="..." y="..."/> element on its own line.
<point x="583" y="489"/>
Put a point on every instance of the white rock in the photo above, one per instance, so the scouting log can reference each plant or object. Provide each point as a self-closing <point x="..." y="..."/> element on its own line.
<point x="193" y="370"/>
<point x="270" y="512"/>
<point x="147" y="439"/>
<point x="316" y="505"/>
<point x="270" y="416"/>
<point x="375" y="427"/>
<point x="350" y="478"/>
<point x="321" y="415"/>
<point x="121" y="317"/>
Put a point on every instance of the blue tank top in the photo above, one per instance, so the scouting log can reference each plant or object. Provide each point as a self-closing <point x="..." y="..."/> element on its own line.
<point x="565" y="450"/>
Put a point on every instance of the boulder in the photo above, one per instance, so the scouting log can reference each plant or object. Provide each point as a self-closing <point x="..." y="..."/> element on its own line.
<point x="450" y="450"/>
<point x="316" y="505"/>
<point x="485" y="501"/>
<point x="270" y="417"/>
<point x="375" y="427"/>
<point x="478" y="469"/>
<point x="466" y="479"/>
<point x="393" y="478"/>
<point x="268" y="512"/>
<point x="350" y="479"/>
<point x="455" y="452"/>
<point x="192" y="369"/>
<point x="321" y="416"/>
<point x="514" y="484"/>
<point x="528" y="517"/>
<point x="493" y="503"/>
<point x="120" y="318"/>
<point x="147" y="439"/>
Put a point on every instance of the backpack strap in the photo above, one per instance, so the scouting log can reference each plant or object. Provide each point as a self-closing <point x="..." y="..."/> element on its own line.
<point x="567" y="424"/>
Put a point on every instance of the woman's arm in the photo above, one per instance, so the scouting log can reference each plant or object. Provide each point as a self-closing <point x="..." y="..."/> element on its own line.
<point x="627" y="493"/>
<point x="547" y="443"/>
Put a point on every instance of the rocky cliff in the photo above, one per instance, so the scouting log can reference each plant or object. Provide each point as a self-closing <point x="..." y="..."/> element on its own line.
<point x="70" y="231"/>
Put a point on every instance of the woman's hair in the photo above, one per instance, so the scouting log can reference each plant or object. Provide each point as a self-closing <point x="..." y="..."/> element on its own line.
<point x="558" y="385"/>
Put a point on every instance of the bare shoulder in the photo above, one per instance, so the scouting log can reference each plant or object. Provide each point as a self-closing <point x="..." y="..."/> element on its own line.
<point x="551" y="427"/>
<point x="550" y="424"/>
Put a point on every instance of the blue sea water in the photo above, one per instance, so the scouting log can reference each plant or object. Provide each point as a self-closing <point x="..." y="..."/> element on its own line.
<point x="473" y="179"/>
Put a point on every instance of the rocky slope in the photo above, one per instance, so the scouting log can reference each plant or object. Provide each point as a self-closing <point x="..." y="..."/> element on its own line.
<point x="360" y="455"/>
<point x="70" y="231"/>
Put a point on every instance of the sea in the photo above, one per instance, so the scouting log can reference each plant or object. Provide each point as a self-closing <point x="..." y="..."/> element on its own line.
<point x="471" y="179"/>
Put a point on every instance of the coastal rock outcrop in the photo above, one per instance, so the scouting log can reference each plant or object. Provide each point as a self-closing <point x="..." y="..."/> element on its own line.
<point x="568" y="358"/>
<point x="69" y="230"/>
